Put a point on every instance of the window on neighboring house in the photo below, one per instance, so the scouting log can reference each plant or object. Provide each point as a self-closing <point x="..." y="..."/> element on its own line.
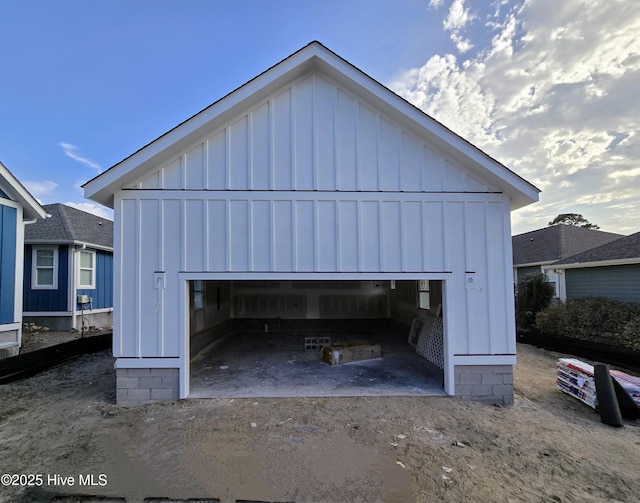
<point x="87" y="270"/>
<point x="423" y="294"/>
<point x="44" y="272"/>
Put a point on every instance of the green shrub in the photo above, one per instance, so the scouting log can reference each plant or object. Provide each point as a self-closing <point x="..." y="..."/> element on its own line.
<point x="631" y="333"/>
<point x="595" y="319"/>
<point x="534" y="293"/>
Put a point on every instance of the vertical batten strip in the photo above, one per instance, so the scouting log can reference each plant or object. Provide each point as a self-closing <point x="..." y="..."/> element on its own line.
<point x="251" y="175"/>
<point x="250" y="230"/>
<point x="205" y="164"/>
<point x="293" y="139"/>
<point x="162" y="267"/>
<point x="117" y="273"/>
<point x="138" y="279"/>
<point x="272" y="144"/>
<point x="381" y="237"/>
<point x="314" y="136"/>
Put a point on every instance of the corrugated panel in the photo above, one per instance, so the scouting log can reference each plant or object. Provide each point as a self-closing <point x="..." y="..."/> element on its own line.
<point x="312" y="135"/>
<point x="8" y="222"/>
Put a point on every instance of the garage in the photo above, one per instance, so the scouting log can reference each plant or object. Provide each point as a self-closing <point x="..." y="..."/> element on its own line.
<point x="310" y="201"/>
<point x="265" y="338"/>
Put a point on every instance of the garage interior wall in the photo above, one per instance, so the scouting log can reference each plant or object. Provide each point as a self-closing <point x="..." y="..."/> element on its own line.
<point x="218" y="307"/>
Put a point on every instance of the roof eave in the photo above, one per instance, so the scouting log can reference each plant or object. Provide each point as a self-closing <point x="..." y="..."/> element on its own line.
<point x="71" y="242"/>
<point x="597" y="263"/>
<point x="32" y="209"/>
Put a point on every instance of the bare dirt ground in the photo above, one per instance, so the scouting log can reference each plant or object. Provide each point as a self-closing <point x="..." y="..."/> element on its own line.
<point x="63" y="425"/>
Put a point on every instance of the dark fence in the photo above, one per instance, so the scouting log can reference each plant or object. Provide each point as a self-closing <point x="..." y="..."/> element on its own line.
<point x="603" y="353"/>
<point x="29" y="364"/>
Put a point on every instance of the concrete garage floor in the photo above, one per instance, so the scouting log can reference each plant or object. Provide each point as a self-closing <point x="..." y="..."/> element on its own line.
<point x="275" y="364"/>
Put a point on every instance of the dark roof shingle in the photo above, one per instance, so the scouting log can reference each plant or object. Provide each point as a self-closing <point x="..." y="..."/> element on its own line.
<point x="557" y="242"/>
<point x="624" y="248"/>
<point x="67" y="225"/>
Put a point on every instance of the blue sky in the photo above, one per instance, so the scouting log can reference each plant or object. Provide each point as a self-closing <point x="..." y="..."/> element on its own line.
<point x="548" y="88"/>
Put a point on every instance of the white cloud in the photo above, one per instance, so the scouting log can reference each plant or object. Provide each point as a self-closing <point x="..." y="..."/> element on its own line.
<point x="41" y="189"/>
<point x="458" y="16"/>
<point x="455" y="22"/>
<point x="93" y="209"/>
<point x="554" y="97"/>
<point x="72" y="151"/>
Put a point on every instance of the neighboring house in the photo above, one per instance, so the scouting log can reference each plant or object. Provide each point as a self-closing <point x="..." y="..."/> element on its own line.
<point x="311" y="193"/>
<point x="68" y="270"/>
<point x="611" y="270"/>
<point x="17" y="209"/>
<point x="536" y="249"/>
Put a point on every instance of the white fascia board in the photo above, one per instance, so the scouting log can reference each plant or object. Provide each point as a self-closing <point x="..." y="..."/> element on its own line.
<point x="603" y="263"/>
<point x="69" y="242"/>
<point x="147" y="363"/>
<point x="484" y="359"/>
<point x="531" y="264"/>
<point x="13" y="188"/>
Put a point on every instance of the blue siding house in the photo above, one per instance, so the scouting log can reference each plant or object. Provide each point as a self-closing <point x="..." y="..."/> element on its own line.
<point x="534" y="250"/>
<point x="611" y="270"/>
<point x="17" y="208"/>
<point x="68" y="270"/>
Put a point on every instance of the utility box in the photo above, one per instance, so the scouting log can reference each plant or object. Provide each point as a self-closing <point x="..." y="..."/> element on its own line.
<point x="350" y="352"/>
<point x="84" y="299"/>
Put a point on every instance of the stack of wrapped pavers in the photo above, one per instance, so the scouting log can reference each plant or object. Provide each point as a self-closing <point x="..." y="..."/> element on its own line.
<point x="576" y="378"/>
<point x="631" y="384"/>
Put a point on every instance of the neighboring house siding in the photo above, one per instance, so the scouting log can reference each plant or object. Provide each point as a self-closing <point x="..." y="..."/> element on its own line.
<point x="47" y="300"/>
<point x="523" y="272"/>
<point x="616" y="282"/>
<point x="8" y="222"/>
<point x="102" y="295"/>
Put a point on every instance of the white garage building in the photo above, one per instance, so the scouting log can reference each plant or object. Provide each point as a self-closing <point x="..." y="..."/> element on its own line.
<point x="310" y="193"/>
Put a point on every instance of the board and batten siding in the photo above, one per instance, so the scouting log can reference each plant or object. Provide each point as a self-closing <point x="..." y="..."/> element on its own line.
<point x="8" y="240"/>
<point x="43" y="300"/>
<point x="247" y="234"/>
<point x="102" y="294"/>
<point x="312" y="135"/>
<point x="311" y="180"/>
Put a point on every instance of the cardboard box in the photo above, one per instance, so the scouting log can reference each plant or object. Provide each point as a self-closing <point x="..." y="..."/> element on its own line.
<point x="350" y="352"/>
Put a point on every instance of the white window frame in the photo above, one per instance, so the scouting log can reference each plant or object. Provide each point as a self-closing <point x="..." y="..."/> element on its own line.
<point x="424" y="294"/>
<point x="79" y="285"/>
<point x="34" y="268"/>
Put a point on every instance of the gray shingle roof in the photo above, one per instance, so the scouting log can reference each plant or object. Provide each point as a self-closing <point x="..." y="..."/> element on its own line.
<point x="67" y="225"/>
<point x="557" y="242"/>
<point x="624" y="248"/>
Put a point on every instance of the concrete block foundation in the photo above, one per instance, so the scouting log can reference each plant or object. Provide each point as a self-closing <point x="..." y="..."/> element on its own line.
<point x="491" y="384"/>
<point x="142" y="386"/>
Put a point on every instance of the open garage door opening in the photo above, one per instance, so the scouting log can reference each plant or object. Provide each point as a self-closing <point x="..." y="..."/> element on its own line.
<point x="265" y="338"/>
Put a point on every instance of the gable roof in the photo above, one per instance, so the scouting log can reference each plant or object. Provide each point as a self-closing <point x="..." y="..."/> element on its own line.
<point x="625" y="250"/>
<point x="312" y="58"/>
<point x="15" y="191"/>
<point x="72" y="226"/>
<point x="556" y="242"/>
